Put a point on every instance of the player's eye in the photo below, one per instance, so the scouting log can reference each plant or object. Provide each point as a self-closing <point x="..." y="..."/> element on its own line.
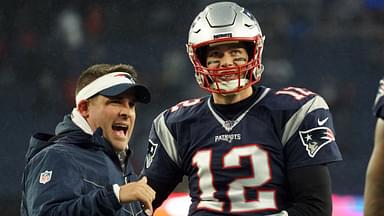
<point x="213" y="63"/>
<point x="240" y="60"/>
<point x="235" y="52"/>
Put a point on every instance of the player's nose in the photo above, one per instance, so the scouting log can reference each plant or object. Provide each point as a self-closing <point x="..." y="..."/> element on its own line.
<point x="226" y="60"/>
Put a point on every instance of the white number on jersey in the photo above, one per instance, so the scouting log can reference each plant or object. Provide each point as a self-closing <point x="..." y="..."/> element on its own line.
<point x="297" y="93"/>
<point x="186" y="103"/>
<point x="261" y="174"/>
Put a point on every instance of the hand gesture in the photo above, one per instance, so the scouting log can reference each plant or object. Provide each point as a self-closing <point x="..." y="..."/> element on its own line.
<point x="138" y="191"/>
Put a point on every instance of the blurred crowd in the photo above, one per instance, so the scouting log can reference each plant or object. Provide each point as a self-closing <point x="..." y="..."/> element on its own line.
<point x="334" y="48"/>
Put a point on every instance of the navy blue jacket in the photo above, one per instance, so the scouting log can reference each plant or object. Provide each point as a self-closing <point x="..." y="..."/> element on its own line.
<point x="72" y="173"/>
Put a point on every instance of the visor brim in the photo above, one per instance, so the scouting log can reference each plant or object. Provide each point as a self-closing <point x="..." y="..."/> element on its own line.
<point x="141" y="92"/>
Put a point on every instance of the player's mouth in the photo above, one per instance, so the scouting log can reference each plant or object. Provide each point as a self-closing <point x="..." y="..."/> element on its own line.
<point x="120" y="129"/>
<point x="228" y="77"/>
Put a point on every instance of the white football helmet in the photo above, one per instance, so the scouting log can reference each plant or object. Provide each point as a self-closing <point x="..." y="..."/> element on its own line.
<point x="225" y="22"/>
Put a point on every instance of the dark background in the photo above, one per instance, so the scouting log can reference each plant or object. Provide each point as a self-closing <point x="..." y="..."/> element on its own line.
<point x="332" y="47"/>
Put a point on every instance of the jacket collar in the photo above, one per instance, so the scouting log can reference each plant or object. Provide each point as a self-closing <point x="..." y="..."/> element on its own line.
<point x="69" y="133"/>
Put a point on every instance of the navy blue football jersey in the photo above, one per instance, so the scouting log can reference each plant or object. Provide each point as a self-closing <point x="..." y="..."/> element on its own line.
<point x="378" y="110"/>
<point x="238" y="166"/>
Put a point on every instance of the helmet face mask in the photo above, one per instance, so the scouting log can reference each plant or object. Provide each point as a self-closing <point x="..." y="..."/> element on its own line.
<point x="219" y="23"/>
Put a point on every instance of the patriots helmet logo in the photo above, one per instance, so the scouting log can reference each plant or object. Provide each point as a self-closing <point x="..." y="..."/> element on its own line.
<point x="152" y="147"/>
<point x="314" y="139"/>
<point x="126" y="75"/>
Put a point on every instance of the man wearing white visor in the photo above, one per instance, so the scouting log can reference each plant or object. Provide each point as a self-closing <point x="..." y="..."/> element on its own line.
<point x="85" y="168"/>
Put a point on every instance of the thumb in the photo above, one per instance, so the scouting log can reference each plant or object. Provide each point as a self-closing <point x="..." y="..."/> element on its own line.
<point x="144" y="179"/>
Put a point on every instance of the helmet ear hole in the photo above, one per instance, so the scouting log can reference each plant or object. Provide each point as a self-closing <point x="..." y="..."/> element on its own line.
<point x="250" y="47"/>
<point x="201" y="54"/>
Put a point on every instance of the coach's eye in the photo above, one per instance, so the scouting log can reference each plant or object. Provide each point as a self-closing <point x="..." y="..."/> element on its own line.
<point x="132" y="104"/>
<point x="114" y="101"/>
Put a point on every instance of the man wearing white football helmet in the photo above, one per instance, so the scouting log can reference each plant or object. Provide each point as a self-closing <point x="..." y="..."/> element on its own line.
<point x="246" y="149"/>
<point x="214" y="27"/>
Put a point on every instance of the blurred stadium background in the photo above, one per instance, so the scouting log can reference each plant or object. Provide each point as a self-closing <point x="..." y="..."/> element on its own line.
<point x="333" y="47"/>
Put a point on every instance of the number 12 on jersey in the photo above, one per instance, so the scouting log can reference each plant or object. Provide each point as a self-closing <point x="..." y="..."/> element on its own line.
<point x="260" y="174"/>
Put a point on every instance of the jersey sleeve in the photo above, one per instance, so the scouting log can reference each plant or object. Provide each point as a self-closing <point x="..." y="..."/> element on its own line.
<point x="378" y="110"/>
<point x="162" y="163"/>
<point x="53" y="186"/>
<point x="309" y="135"/>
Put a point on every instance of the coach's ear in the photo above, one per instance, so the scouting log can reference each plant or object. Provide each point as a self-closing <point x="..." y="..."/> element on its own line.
<point x="82" y="107"/>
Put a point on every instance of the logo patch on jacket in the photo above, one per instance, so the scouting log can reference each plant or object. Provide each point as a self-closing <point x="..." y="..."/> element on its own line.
<point x="314" y="139"/>
<point x="45" y="176"/>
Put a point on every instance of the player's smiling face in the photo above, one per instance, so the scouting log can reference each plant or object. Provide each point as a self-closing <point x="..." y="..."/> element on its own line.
<point x="228" y="68"/>
<point x="115" y="115"/>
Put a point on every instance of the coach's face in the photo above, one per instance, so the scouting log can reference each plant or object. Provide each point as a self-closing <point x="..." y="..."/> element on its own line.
<point x="115" y="115"/>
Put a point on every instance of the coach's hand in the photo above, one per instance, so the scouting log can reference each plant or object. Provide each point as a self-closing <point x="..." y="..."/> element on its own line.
<point x="140" y="191"/>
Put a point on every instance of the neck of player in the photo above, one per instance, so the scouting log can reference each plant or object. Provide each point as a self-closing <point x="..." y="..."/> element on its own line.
<point x="232" y="98"/>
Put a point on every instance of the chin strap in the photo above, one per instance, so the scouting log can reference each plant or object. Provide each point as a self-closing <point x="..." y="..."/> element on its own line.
<point x="229" y="85"/>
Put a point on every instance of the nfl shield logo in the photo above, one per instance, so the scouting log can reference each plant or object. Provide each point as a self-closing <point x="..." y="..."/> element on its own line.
<point x="45" y="176"/>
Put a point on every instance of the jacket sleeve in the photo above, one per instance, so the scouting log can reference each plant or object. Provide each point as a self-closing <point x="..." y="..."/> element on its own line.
<point x="52" y="185"/>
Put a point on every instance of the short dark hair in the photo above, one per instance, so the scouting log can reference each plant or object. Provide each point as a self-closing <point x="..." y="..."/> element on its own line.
<point x="95" y="71"/>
